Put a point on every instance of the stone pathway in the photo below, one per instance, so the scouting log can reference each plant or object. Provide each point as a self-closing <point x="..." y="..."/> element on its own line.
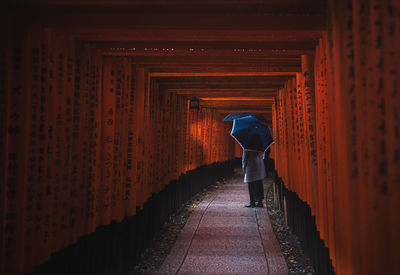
<point x="223" y="237"/>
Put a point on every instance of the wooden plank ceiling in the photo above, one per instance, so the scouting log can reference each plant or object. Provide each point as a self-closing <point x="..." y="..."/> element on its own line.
<point x="233" y="54"/>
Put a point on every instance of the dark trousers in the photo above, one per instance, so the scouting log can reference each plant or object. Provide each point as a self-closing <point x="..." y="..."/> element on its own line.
<point x="256" y="191"/>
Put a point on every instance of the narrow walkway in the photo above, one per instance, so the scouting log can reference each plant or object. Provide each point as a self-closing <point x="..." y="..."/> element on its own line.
<point x="223" y="237"/>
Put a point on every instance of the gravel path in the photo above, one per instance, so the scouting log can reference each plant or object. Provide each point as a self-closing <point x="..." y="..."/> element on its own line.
<point x="296" y="261"/>
<point x="153" y="257"/>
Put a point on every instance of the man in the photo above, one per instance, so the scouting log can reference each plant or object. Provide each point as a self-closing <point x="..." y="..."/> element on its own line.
<point x="254" y="173"/>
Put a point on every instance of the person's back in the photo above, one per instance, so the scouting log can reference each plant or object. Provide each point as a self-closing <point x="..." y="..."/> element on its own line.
<point x="253" y="166"/>
<point x="254" y="173"/>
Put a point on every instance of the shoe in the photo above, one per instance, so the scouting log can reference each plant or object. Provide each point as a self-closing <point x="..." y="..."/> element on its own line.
<point x="259" y="204"/>
<point x="249" y="205"/>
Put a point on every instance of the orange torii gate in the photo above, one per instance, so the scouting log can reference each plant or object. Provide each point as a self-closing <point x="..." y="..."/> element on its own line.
<point x="349" y="169"/>
<point x="94" y="128"/>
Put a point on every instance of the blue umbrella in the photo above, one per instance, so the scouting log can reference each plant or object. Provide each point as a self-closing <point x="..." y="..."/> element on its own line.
<point x="252" y="134"/>
<point x="233" y="116"/>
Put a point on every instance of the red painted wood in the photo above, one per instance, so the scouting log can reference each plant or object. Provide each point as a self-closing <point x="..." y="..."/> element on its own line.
<point x="72" y="170"/>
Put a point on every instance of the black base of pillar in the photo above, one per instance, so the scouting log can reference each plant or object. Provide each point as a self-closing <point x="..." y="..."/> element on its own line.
<point x="115" y="248"/>
<point x="302" y="224"/>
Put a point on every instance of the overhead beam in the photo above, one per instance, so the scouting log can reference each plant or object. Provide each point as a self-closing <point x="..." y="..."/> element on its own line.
<point x="244" y="109"/>
<point x="229" y="93"/>
<point x="220" y="77"/>
<point x="246" y="6"/>
<point x="238" y="99"/>
<point x="216" y="85"/>
<point x="222" y="90"/>
<point x="241" y="104"/>
<point x="218" y="61"/>
<point x="223" y="74"/>
<point x="133" y="17"/>
<point x="217" y="64"/>
<point x="226" y="68"/>
<point x="217" y="48"/>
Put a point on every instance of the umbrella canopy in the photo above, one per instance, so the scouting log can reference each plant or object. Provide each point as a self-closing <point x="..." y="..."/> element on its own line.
<point x="234" y="116"/>
<point x="252" y="134"/>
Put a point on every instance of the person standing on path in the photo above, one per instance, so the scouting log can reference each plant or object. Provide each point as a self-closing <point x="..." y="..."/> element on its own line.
<point x="254" y="173"/>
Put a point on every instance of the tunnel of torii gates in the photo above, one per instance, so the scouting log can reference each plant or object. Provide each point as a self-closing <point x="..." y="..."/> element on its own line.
<point x="96" y="120"/>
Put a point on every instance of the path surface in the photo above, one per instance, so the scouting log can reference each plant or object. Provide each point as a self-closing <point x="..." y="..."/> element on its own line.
<point x="223" y="237"/>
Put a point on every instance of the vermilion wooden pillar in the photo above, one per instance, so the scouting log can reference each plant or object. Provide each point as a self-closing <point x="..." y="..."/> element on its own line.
<point x="15" y="140"/>
<point x="274" y="129"/>
<point x="326" y="187"/>
<point x="340" y="147"/>
<point x="86" y="140"/>
<point x="363" y="59"/>
<point x="289" y="135"/>
<point x="360" y="28"/>
<point x="108" y="129"/>
<point x="31" y="211"/>
<point x="391" y="57"/>
<point x="139" y="76"/>
<point x="381" y="92"/>
<point x="302" y="189"/>
<point x="131" y="184"/>
<point x="309" y="120"/>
